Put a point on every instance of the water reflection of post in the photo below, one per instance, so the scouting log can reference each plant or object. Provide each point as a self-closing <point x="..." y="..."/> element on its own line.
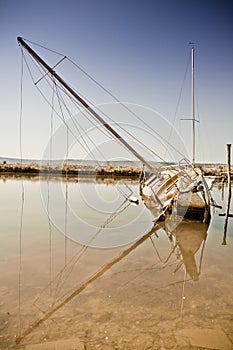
<point x="224" y="242"/>
<point x="222" y="188"/>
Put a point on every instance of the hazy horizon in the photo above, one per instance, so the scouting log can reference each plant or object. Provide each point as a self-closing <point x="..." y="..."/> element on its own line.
<point x="139" y="51"/>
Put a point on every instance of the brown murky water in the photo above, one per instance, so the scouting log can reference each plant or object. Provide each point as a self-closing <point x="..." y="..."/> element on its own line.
<point x="83" y="277"/>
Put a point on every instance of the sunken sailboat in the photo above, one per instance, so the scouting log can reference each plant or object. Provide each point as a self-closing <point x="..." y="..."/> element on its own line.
<point x="181" y="185"/>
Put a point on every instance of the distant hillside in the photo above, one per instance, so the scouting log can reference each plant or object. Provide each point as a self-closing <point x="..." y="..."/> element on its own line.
<point x="84" y="162"/>
<point x="88" y="162"/>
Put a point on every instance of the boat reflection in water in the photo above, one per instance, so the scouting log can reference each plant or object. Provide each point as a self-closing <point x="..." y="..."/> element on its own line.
<point x="186" y="228"/>
<point x="187" y="239"/>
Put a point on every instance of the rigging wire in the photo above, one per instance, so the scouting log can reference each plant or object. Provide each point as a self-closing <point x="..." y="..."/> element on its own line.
<point x="48" y="184"/>
<point x="43" y="47"/>
<point x="45" y="73"/>
<point x="149" y="130"/>
<point x="76" y="104"/>
<point x="199" y="121"/>
<point x="56" y="112"/>
<point x="123" y="105"/>
<point x="104" y="131"/>
<point x="43" y="76"/>
<point x="50" y="235"/>
<point x="68" y="268"/>
<point x="126" y="132"/>
<point x="21" y="107"/>
<point x="183" y="294"/>
<point x="116" y="99"/>
<point x="76" y="124"/>
<point x="22" y="193"/>
<point x="66" y="216"/>
<point x="177" y="105"/>
<point x="49" y="103"/>
<point x="51" y="127"/>
<point x="85" y="113"/>
<point x="66" y="186"/>
<point x="20" y="255"/>
<point x="157" y="252"/>
<point x="81" y="252"/>
<point x="61" y="115"/>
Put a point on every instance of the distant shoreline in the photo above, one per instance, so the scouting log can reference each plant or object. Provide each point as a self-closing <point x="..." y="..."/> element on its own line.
<point x="70" y="170"/>
<point x="108" y="170"/>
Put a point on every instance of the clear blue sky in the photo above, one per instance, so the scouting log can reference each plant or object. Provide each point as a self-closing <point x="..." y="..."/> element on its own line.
<point x="137" y="49"/>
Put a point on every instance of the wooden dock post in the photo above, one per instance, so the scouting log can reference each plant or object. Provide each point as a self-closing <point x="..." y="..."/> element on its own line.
<point x="224" y="242"/>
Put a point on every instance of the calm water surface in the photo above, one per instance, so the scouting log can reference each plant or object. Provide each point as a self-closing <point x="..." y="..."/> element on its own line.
<point x="70" y="269"/>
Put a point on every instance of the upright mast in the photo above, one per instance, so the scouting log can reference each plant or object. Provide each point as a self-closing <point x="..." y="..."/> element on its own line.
<point x="193" y="111"/>
<point x="83" y="102"/>
<point x="193" y="108"/>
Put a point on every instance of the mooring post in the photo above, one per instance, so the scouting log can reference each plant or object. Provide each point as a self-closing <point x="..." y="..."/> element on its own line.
<point x="224" y="242"/>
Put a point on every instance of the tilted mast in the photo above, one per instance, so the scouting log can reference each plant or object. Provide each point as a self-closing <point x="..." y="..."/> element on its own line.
<point x="83" y="102"/>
